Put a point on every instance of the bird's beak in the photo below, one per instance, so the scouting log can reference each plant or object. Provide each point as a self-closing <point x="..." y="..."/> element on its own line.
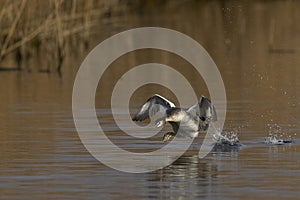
<point x="160" y="123"/>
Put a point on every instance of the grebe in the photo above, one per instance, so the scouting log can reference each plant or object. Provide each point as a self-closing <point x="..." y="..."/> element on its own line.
<point x="184" y="121"/>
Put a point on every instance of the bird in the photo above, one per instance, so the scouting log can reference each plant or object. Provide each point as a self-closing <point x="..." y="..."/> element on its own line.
<point x="184" y="121"/>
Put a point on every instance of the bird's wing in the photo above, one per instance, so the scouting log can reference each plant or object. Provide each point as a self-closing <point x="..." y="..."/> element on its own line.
<point x="204" y="109"/>
<point x="153" y="105"/>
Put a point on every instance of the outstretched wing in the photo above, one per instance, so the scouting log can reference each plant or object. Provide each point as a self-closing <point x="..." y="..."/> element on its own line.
<point x="207" y="109"/>
<point x="204" y="109"/>
<point x="154" y="104"/>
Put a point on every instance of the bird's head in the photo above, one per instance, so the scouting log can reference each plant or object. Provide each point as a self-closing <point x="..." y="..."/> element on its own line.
<point x="160" y="123"/>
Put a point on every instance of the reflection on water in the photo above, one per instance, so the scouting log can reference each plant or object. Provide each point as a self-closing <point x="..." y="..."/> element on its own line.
<point x="256" y="47"/>
<point x="187" y="178"/>
<point x="43" y="156"/>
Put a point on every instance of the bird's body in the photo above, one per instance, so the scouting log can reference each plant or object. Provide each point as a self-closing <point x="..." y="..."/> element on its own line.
<point x="185" y="122"/>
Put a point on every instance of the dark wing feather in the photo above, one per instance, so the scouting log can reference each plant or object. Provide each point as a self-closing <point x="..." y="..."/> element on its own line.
<point x="175" y="126"/>
<point x="153" y="105"/>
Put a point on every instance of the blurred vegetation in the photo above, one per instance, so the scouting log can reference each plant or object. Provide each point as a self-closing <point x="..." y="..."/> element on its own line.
<point x="44" y="35"/>
<point x="31" y="27"/>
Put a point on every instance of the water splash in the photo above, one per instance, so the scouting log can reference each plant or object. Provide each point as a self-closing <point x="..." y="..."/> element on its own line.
<point x="226" y="137"/>
<point x="277" y="136"/>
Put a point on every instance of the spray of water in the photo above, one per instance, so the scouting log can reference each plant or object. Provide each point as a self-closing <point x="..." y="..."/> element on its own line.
<point x="225" y="137"/>
<point x="277" y="135"/>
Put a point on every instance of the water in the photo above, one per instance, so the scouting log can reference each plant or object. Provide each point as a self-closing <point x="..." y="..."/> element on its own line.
<point x="42" y="156"/>
<point x="277" y="136"/>
<point x="225" y="138"/>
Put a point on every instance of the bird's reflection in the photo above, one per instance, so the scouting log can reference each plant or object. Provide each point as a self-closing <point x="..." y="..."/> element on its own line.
<point x="188" y="177"/>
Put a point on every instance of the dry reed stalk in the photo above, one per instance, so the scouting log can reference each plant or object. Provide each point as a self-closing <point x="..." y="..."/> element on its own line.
<point x="13" y="27"/>
<point x="42" y="28"/>
<point x="60" y="37"/>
